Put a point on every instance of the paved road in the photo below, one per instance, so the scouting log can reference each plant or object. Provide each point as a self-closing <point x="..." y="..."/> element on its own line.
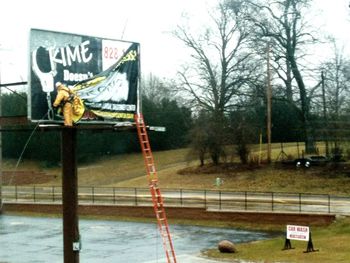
<point x="211" y="200"/>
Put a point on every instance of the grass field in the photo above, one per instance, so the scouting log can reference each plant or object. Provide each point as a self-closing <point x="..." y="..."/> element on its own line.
<point x="177" y="170"/>
<point x="332" y="243"/>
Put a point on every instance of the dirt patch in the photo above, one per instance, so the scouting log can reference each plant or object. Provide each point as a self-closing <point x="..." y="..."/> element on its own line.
<point x="340" y="168"/>
<point x="225" y="168"/>
<point x="26" y="177"/>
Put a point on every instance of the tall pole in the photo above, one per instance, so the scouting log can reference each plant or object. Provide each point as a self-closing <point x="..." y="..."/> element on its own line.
<point x="71" y="239"/>
<point x="1" y="204"/>
<point x="268" y="104"/>
<point x="324" y="114"/>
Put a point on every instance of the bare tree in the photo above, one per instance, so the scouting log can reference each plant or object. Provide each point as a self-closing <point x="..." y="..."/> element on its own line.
<point x="284" y="23"/>
<point x="336" y="76"/>
<point x="156" y="88"/>
<point x="220" y="69"/>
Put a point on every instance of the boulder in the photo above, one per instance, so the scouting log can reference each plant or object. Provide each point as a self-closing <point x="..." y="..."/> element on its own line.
<point x="226" y="246"/>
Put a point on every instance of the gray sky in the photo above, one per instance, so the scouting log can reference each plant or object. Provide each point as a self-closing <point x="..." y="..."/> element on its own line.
<point x="145" y="21"/>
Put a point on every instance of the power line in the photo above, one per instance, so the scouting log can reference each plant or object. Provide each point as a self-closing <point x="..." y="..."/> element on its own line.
<point x="14" y="84"/>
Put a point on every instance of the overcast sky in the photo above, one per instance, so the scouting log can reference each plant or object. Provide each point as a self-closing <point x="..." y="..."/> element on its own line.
<point x="145" y="21"/>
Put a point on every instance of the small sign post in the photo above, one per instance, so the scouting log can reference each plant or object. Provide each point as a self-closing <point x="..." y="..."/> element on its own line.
<point x="287" y="245"/>
<point x="310" y="246"/>
<point x="302" y="233"/>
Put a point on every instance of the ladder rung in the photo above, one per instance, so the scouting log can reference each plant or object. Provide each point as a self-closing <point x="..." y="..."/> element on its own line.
<point x="165" y="235"/>
<point x="157" y="195"/>
<point x="153" y="183"/>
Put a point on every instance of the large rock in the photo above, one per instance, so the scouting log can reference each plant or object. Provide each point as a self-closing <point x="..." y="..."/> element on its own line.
<point x="226" y="246"/>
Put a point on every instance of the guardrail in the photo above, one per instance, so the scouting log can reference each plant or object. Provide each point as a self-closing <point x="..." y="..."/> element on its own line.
<point x="209" y="199"/>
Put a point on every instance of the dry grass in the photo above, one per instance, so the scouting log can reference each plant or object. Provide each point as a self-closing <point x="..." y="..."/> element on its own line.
<point x="176" y="171"/>
<point x="107" y="171"/>
<point x="331" y="243"/>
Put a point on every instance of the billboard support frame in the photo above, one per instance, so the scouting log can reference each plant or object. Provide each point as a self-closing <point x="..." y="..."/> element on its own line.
<point x="71" y="237"/>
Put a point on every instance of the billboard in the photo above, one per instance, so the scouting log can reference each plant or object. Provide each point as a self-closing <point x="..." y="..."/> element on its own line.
<point x="103" y="74"/>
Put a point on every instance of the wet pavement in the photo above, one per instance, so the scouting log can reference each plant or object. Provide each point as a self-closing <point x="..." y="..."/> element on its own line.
<point x="37" y="239"/>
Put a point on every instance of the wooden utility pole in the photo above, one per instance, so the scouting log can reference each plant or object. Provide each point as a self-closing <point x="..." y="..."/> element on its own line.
<point x="71" y="238"/>
<point x="268" y="104"/>
<point x="1" y="205"/>
<point x="325" y="127"/>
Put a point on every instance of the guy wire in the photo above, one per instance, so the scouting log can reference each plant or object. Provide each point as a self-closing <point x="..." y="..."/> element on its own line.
<point x="21" y="155"/>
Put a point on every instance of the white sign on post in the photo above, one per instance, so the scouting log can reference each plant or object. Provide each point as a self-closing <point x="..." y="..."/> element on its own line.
<point x="298" y="232"/>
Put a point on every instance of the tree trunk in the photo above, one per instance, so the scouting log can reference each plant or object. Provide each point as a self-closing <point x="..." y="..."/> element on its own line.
<point x="217" y="138"/>
<point x="289" y="90"/>
<point x="310" y="146"/>
<point x="201" y="157"/>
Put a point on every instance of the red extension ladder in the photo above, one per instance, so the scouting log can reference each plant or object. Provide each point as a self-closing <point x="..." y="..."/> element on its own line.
<point x="157" y="199"/>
